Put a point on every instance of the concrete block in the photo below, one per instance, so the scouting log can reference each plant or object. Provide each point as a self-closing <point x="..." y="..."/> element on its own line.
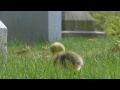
<point x="3" y="41"/>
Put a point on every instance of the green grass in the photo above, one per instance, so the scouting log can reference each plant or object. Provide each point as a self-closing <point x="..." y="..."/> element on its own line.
<point x="99" y="61"/>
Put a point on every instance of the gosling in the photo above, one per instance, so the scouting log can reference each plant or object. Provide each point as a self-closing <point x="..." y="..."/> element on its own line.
<point x="64" y="57"/>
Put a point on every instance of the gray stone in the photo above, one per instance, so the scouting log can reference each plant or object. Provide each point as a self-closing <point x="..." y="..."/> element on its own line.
<point x="30" y="26"/>
<point x="3" y="41"/>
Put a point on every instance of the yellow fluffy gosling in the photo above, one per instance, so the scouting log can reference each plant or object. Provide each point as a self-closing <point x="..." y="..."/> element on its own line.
<point x="65" y="57"/>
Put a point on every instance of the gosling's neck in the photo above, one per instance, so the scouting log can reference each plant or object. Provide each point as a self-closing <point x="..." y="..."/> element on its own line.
<point x="56" y="53"/>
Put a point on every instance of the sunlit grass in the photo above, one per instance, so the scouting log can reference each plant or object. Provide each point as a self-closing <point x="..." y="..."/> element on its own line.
<point x="100" y="62"/>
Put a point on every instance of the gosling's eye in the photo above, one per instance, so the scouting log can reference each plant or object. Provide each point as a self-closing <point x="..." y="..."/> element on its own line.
<point x="53" y="50"/>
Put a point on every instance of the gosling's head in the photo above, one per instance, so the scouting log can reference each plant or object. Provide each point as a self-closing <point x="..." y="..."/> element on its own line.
<point x="57" y="47"/>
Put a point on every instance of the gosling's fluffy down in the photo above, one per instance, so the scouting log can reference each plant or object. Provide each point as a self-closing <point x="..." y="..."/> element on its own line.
<point x="64" y="57"/>
<point x="68" y="57"/>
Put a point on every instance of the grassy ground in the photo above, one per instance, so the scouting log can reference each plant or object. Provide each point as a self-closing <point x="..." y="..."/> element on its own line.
<point x="100" y="62"/>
